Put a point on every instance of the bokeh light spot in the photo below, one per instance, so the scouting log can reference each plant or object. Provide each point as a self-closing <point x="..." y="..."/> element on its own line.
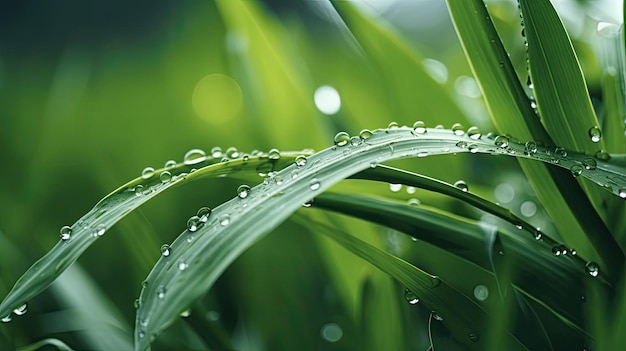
<point x="327" y="100"/>
<point x="217" y="98"/>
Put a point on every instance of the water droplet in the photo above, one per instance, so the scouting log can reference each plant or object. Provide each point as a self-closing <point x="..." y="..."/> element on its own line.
<point x="273" y="154"/>
<point x="331" y="332"/>
<point x="182" y="265"/>
<point x="419" y="127"/>
<point x="474" y="133"/>
<point x="473" y="148"/>
<point x="595" y="134"/>
<point x="243" y="191"/>
<point x="21" y="310"/>
<point x="502" y="141"/>
<point x="538" y="234"/>
<point x="592" y="268"/>
<point x="393" y="125"/>
<point x="411" y="297"/>
<point x="139" y="190"/>
<point x="315" y="184"/>
<point x="160" y="292"/>
<point x="436" y="316"/>
<point x="147" y="172"/>
<point x="602" y="155"/>
<point x="224" y="220"/>
<point x="395" y="187"/>
<point x="573" y="252"/>
<point x="308" y="203"/>
<point x="6" y="319"/>
<point x="169" y="164"/>
<point x="245" y="158"/>
<point x="457" y="129"/>
<point x="481" y="292"/>
<point x="590" y="163"/>
<point x="165" y="250"/>
<point x="559" y="250"/>
<point x="461" y="185"/>
<point x="99" y="230"/>
<point x="560" y="152"/>
<point x="365" y="134"/>
<point x="355" y="140"/>
<point x="278" y="180"/>
<point x="137" y="303"/>
<point x="410" y="189"/>
<point x="413" y="202"/>
<point x="576" y="170"/>
<point x="439" y="126"/>
<point x="194" y="156"/>
<point x="622" y="193"/>
<point x="342" y="139"/>
<point x="193" y="223"/>
<point x="186" y="313"/>
<point x="65" y="232"/>
<point x="531" y="147"/>
<point x="462" y="144"/>
<point x="232" y="152"/>
<point x="264" y="169"/>
<point x="216" y="152"/>
<point x="301" y="160"/>
<point x="203" y="214"/>
<point x="165" y="176"/>
<point x="474" y="337"/>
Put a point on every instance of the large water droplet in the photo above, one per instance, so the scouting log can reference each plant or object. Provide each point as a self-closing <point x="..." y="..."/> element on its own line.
<point x="315" y="184"/>
<point x="147" y="173"/>
<point x="365" y="134"/>
<point x="595" y="134"/>
<point x="273" y="154"/>
<point x="204" y="213"/>
<point x="393" y="125"/>
<point x="21" y="310"/>
<point x="216" y="152"/>
<point x="602" y="155"/>
<point x="474" y="133"/>
<point x="560" y="152"/>
<point x="243" y="191"/>
<point x="342" y="139"/>
<point x="590" y="163"/>
<point x="531" y="147"/>
<point x="576" y="170"/>
<point x="502" y="141"/>
<point x="224" y="220"/>
<point x="165" y="176"/>
<point x="457" y="129"/>
<point x="395" y="187"/>
<point x="193" y="223"/>
<point x="182" y="265"/>
<point x="169" y="164"/>
<point x="461" y="185"/>
<point x="481" y="292"/>
<point x="99" y="230"/>
<point x="592" y="268"/>
<point x="66" y="232"/>
<point x="232" y="152"/>
<point x="165" y="250"/>
<point x="419" y="127"/>
<point x="411" y="297"/>
<point x="301" y="160"/>
<point x="194" y="156"/>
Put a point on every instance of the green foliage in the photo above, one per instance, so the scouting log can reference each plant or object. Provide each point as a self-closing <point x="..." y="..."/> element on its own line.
<point x="467" y="266"/>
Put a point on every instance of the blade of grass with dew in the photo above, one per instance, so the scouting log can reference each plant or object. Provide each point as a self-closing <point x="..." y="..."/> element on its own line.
<point x="511" y="112"/>
<point x="464" y="317"/>
<point x="560" y="88"/>
<point x="196" y="258"/>
<point x="114" y="207"/>
<point x="466" y="240"/>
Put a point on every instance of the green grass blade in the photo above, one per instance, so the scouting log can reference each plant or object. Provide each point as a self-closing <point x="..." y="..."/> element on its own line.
<point x="60" y="345"/>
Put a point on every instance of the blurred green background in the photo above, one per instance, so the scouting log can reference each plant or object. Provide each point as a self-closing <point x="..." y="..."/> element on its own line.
<point x="93" y="92"/>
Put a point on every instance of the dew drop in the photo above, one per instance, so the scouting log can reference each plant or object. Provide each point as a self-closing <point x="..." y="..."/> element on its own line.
<point x="341" y="139"/>
<point x="315" y="184"/>
<point x="169" y="164"/>
<point x="419" y="127"/>
<point x="245" y="158"/>
<point x="355" y="140"/>
<point x="560" y="152"/>
<point x="602" y="155"/>
<point x="461" y="185"/>
<point x="530" y="147"/>
<point x="138" y="190"/>
<point x="394" y="187"/>
<point x="559" y="250"/>
<point x="193" y="223"/>
<point x="137" y="303"/>
<point x="273" y="154"/>
<point x="301" y="160"/>
<point x="243" y="191"/>
<point x="481" y="292"/>
<point x="622" y="193"/>
<point x="278" y="180"/>
<point x="457" y="129"/>
<point x="595" y="134"/>
<point x="194" y="156"/>
<point x="462" y="144"/>
<point x="182" y="265"/>
<point x="203" y="214"/>
<point x="538" y="234"/>
<point x="224" y="220"/>
<point x="99" y="230"/>
<point x="576" y="170"/>
<point x="474" y="337"/>
<point x="160" y="292"/>
<point x="186" y="313"/>
<point x="474" y="133"/>
<point x="590" y="163"/>
<point x="232" y="152"/>
<point x="264" y="169"/>
<point x="165" y="250"/>
<point x="413" y="202"/>
<point x="365" y="134"/>
<point x="592" y="268"/>
<point x="147" y="173"/>
<point x="393" y="125"/>
<point x="410" y="297"/>
<point x="216" y="152"/>
<point x="436" y="316"/>
<point x="501" y="141"/>
<point x="165" y="176"/>
<point x="6" y="319"/>
<point x="65" y="232"/>
<point x="21" y="310"/>
<point x="473" y="148"/>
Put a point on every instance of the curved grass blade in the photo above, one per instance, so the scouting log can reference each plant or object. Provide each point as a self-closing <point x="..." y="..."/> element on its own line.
<point x="198" y="257"/>
<point x="118" y="204"/>
<point x="534" y="269"/>
<point x="60" y="345"/>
